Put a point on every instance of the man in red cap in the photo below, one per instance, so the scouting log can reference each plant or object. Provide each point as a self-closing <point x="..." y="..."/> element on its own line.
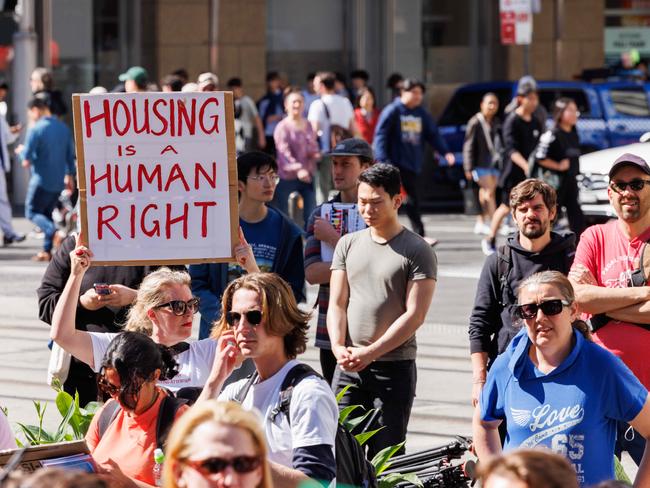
<point x="610" y="281"/>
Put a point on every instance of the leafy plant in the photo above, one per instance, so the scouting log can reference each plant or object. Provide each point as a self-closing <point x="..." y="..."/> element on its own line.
<point x="381" y="461"/>
<point x="73" y="425"/>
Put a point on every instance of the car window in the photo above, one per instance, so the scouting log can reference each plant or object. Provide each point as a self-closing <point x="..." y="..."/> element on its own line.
<point x="630" y="101"/>
<point x="464" y="104"/>
<point x="547" y="97"/>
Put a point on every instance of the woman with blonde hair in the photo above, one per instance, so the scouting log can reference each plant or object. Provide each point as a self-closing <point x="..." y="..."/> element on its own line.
<point x="555" y="388"/>
<point x="163" y="309"/>
<point x="217" y="444"/>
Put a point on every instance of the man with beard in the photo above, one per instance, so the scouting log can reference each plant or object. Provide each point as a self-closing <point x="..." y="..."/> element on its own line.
<point x="610" y="280"/>
<point x="533" y="249"/>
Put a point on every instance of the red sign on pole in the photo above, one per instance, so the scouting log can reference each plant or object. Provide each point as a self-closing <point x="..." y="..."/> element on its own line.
<point x="516" y="21"/>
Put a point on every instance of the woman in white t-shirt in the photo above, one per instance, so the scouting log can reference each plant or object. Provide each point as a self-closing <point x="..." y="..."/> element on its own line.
<point x="163" y="309"/>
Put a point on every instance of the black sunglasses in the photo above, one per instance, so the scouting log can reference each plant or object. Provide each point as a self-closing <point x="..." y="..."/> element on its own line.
<point x="107" y="387"/>
<point x="179" y="307"/>
<point x="636" y="184"/>
<point x="549" y="307"/>
<point x="253" y="317"/>
<point x="241" y="464"/>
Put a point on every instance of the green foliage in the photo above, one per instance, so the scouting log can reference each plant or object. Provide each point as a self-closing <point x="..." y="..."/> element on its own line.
<point x="381" y="459"/>
<point x="73" y="425"/>
<point x="395" y="478"/>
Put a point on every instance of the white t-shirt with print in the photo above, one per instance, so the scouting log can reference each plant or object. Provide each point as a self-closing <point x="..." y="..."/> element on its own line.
<point x="340" y="111"/>
<point x="313" y="411"/>
<point x="194" y="364"/>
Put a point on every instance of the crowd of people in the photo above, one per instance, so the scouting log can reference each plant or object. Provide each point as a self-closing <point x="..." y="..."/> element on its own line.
<point x="557" y="334"/>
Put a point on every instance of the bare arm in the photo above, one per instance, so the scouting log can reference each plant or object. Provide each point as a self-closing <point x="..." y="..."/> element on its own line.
<point x="63" y="331"/>
<point x="284" y="477"/>
<point x="520" y="161"/>
<point x="261" y="139"/>
<point x="642" y="424"/>
<point x="337" y="320"/>
<point x="354" y="128"/>
<point x="555" y="165"/>
<point x="479" y="374"/>
<point x="486" y="436"/>
<point x="639" y="313"/>
<point x="318" y="273"/>
<point x="226" y="360"/>
<point x="595" y="299"/>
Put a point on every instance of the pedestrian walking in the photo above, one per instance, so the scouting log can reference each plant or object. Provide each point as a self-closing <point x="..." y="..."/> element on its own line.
<point x="557" y="160"/>
<point x="41" y="83"/>
<point x="610" y="278"/>
<point x="271" y="109"/>
<point x="481" y="158"/>
<point x="298" y="154"/>
<point x="403" y="129"/>
<point x="544" y="386"/>
<point x="249" y="130"/>
<point x="521" y="131"/>
<point x="49" y="155"/>
<point x="332" y="118"/>
<point x="366" y="113"/>
<point x="382" y="283"/>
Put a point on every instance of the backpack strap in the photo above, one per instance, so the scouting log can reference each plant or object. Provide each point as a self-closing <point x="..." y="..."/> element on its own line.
<point x="110" y="411"/>
<point x="241" y="395"/>
<point x="294" y="376"/>
<point x="504" y="260"/>
<point x="166" y="415"/>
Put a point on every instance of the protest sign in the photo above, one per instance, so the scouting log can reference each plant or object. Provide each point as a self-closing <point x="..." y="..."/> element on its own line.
<point x="157" y="177"/>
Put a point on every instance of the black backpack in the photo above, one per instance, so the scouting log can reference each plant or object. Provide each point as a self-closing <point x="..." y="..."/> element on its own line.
<point x="352" y="466"/>
<point x="168" y="408"/>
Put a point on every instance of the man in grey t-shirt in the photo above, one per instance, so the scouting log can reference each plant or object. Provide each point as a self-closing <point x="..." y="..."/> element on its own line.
<point x="382" y="283"/>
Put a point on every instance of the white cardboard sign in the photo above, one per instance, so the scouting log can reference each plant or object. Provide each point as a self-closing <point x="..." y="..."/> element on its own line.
<point x="157" y="177"/>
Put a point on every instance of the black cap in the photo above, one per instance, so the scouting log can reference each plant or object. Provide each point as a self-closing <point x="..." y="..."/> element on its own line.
<point x="353" y="147"/>
<point x="630" y="160"/>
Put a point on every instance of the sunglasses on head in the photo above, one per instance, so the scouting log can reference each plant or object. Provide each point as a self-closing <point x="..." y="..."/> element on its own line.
<point x="179" y="307"/>
<point x="636" y="184"/>
<point x="241" y="464"/>
<point x="253" y="317"/>
<point x="549" y="307"/>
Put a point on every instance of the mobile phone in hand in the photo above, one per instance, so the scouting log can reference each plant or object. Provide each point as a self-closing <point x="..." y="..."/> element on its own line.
<point x="102" y="288"/>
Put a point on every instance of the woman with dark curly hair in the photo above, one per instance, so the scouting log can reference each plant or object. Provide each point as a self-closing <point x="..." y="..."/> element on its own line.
<point x="131" y="368"/>
<point x="260" y="319"/>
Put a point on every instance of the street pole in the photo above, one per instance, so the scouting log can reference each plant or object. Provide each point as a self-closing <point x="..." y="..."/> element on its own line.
<point x="24" y="41"/>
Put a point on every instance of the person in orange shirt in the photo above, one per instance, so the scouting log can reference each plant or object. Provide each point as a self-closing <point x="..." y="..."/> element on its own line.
<point x="131" y="368"/>
<point x="366" y="113"/>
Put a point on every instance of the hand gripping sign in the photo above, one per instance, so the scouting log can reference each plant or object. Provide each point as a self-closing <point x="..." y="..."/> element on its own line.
<point x="157" y="177"/>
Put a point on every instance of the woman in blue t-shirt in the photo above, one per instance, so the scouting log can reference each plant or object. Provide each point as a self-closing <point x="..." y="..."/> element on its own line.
<point x="555" y="388"/>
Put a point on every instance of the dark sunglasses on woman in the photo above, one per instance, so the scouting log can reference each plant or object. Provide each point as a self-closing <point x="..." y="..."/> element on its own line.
<point x="253" y="317"/>
<point x="241" y="464"/>
<point x="549" y="307"/>
<point x="179" y="307"/>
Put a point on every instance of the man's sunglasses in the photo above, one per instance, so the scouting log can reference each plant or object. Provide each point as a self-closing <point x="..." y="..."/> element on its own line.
<point x="179" y="307"/>
<point x="636" y="184"/>
<point x="253" y="317"/>
<point x="241" y="464"/>
<point x="549" y="307"/>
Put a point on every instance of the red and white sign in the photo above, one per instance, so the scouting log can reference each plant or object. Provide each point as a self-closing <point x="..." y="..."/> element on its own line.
<point x="516" y="21"/>
<point x="157" y="177"/>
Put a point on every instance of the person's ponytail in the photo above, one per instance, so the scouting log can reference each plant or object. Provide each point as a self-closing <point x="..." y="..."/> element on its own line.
<point x="583" y="328"/>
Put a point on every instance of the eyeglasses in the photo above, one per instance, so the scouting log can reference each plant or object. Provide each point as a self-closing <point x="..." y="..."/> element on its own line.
<point x="241" y="464"/>
<point x="107" y="387"/>
<point x="179" y="307"/>
<point x="270" y="177"/>
<point x="636" y="184"/>
<point x="253" y="317"/>
<point x="549" y="307"/>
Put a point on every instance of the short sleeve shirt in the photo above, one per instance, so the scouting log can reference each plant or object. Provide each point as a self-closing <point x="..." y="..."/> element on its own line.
<point x="569" y="410"/>
<point x="313" y="412"/>
<point x="611" y="258"/>
<point x="378" y="275"/>
<point x="194" y="364"/>
<point x="340" y="111"/>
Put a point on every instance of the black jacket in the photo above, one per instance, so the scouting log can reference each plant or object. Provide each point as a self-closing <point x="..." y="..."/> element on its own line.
<point x="476" y="152"/>
<point x="491" y="323"/>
